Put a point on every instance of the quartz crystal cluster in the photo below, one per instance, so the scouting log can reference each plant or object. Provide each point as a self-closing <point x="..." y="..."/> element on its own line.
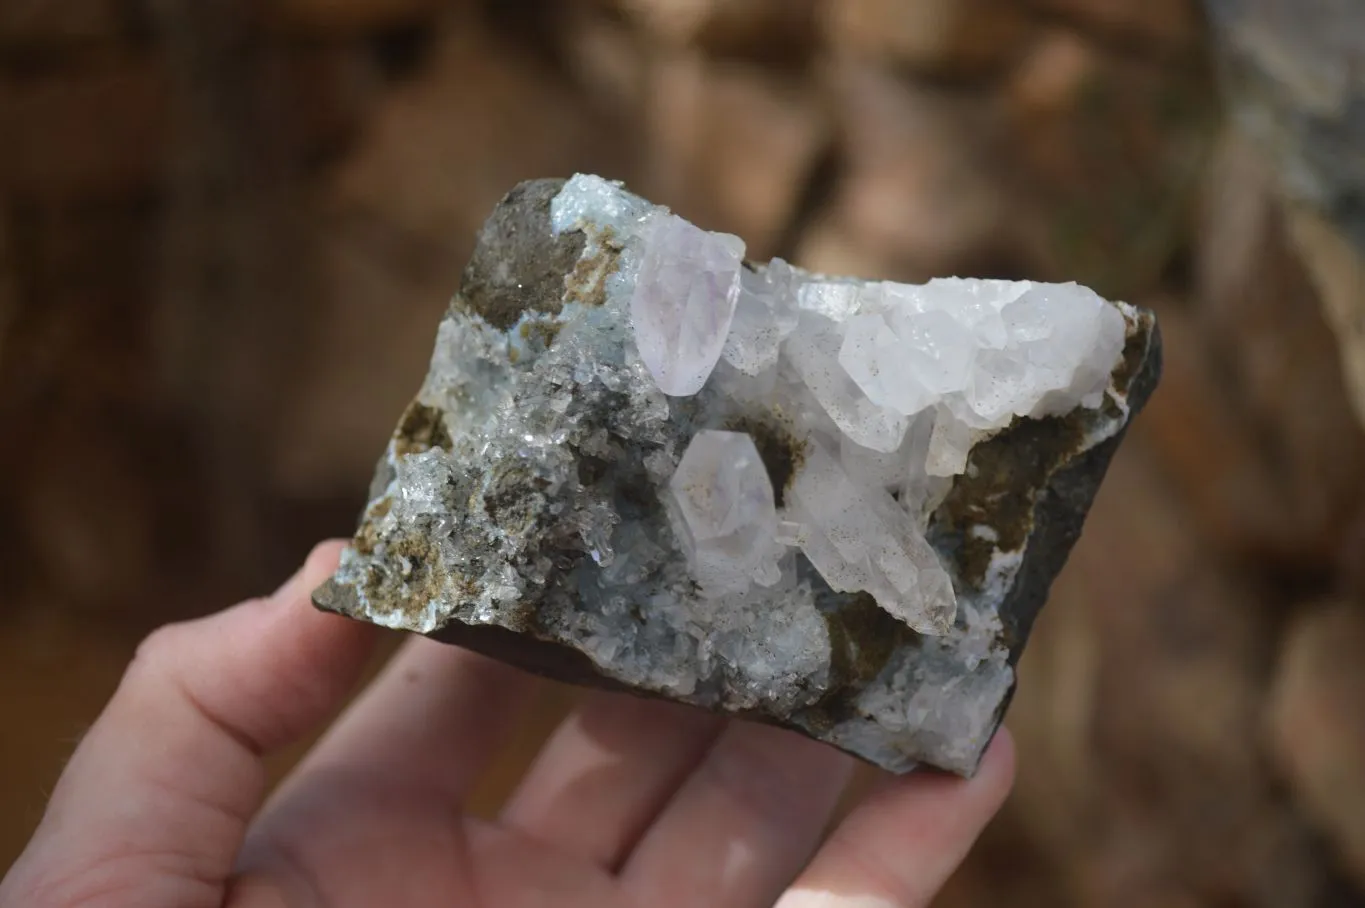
<point x="640" y="460"/>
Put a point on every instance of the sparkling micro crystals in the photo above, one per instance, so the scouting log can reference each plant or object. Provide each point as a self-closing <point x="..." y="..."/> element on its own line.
<point x="640" y="461"/>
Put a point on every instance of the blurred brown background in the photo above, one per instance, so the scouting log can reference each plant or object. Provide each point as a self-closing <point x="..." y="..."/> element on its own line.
<point x="228" y="228"/>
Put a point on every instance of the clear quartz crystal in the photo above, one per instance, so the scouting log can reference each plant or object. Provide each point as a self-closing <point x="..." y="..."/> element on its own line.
<point x="764" y="314"/>
<point x="729" y="522"/>
<point x="814" y="350"/>
<point x="887" y="388"/>
<point x="860" y="538"/>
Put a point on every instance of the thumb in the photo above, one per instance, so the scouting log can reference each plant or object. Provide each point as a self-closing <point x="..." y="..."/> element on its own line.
<point x="156" y="799"/>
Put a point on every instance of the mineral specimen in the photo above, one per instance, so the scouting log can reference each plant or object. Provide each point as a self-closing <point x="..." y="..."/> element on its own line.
<point x="642" y="462"/>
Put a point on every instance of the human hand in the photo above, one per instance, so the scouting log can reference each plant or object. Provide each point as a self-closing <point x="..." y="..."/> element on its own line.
<point x="631" y="803"/>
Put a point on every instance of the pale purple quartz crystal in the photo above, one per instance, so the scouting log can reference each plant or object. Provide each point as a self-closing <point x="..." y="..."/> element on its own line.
<point x="684" y="301"/>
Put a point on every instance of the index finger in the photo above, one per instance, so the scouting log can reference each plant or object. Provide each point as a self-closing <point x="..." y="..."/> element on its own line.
<point x="898" y="848"/>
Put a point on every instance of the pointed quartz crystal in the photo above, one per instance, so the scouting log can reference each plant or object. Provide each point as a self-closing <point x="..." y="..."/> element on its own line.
<point x="684" y="301"/>
<point x="729" y="522"/>
<point x="859" y="538"/>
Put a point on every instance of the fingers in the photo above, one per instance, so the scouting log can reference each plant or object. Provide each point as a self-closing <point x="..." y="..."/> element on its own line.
<point x="607" y="772"/>
<point x="743" y="823"/>
<point x="435" y="716"/>
<point x="154" y="803"/>
<point x="375" y="809"/>
<point x="898" y="848"/>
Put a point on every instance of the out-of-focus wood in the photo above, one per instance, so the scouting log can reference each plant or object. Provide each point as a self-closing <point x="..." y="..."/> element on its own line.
<point x="55" y="676"/>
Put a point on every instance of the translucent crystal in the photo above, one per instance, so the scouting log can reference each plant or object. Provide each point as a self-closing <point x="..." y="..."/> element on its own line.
<point x="764" y="314"/>
<point x="814" y="350"/>
<point x="684" y="301"/>
<point x="729" y="521"/>
<point x="752" y="344"/>
<point x="949" y="444"/>
<point x="987" y="351"/>
<point x="859" y="538"/>
<point x="590" y="201"/>
<point x="835" y="300"/>
<point x="907" y="360"/>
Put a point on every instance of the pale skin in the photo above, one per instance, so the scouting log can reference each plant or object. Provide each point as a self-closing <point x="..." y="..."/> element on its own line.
<point x="630" y="803"/>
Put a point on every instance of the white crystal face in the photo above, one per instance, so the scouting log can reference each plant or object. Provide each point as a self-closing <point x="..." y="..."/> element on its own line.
<point x="860" y="539"/>
<point x="814" y="352"/>
<point x="764" y="315"/>
<point x="885" y="387"/>
<point x="684" y="301"/>
<point x="729" y="521"/>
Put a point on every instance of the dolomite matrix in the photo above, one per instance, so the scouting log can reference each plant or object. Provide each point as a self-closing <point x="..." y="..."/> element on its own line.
<point x="642" y="462"/>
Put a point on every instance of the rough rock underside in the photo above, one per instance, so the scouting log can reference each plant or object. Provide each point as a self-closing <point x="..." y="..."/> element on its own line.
<point x="641" y="462"/>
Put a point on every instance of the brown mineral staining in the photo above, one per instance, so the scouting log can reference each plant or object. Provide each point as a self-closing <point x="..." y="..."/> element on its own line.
<point x="543" y="332"/>
<point x="1001" y="486"/>
<point x="421" y="428"/>
<point x="518" y="265"/>
<point x="862" y="638"/>
<point x="1135" y="351"/>
<point x="515" y="501"/>
<point x="587" y="283"/>
<point x="424" y="579"/>
<point x="870" y="635"/>
<point x="1007" y="473"/>
<point x="367" y="537"/>
<point x="782" y="452"/>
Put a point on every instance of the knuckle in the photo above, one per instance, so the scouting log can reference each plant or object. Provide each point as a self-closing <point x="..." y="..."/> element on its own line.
<point x="152" y="649"/>
<point x="155" y="649"/>
<point x="70" y="886"/>
<point x="757" y="780"/>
